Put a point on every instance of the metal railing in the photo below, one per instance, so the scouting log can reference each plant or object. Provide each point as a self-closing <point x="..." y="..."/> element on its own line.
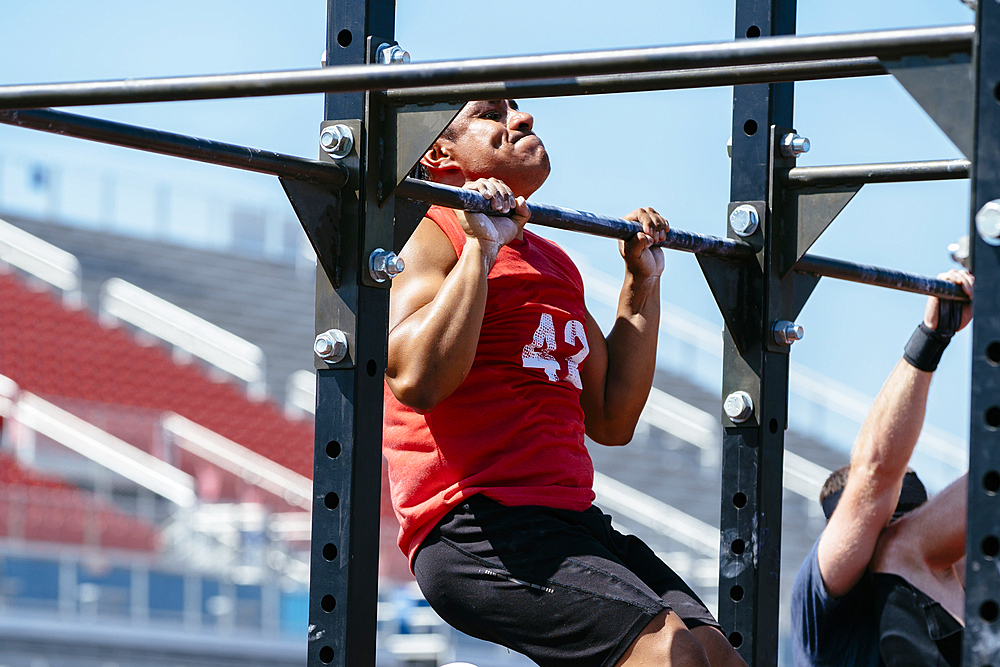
<point x="45" y="418"/>
<point x="42" y="260"/>
<point x="247" y="464"/>
<point x="185" y="330"/>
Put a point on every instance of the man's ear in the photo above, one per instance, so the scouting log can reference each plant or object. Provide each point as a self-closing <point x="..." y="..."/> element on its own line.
<point x="439" y="163"/>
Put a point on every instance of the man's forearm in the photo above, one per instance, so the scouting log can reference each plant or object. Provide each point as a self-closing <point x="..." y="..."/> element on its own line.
<point x="890" y="432"/>
<point x="632" y="349"/>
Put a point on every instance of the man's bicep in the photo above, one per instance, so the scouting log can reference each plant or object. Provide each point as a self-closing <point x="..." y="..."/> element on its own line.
<point x="428" y="256"/>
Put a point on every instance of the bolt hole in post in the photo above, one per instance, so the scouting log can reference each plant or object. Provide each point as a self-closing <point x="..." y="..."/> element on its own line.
<point x="330" y="552"/>
<point x="344" y="38"/>
<point x="750" y="127"/>
<point x="753" y="31"/>
<point x="993" y="417"/>
<point x="331" y="500"/>
<point x="993" y="353"/>
<point x="991" y="546"/>
<point x="989" y="611"/>
<point x="738" y="547"/>
<point x="772" y="426"/>
<point x="326" y="655"/>
<point x="991" y="482"/>
<point x="740" y="500"/>
<point x="371" y="367"/>
<point x="735" y="639"/>
<point x="736" y="593"/>
<point x="996" y="92"/>
<point x="333" y="449"/>
<point x="328" y="603"/>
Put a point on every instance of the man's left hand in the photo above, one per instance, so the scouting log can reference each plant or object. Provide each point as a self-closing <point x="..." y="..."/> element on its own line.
<point x="959" y="277"/>
<point x="641" y="258"/>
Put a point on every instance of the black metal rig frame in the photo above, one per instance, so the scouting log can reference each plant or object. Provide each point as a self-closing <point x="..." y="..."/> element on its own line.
<point x="364" y="202"/>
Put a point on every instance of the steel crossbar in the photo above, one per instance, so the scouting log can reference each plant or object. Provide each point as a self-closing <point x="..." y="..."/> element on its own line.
<point x="355" y="78"/>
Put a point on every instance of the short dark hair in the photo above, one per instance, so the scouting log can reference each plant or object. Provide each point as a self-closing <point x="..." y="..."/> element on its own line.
<point x="835" y="482"/>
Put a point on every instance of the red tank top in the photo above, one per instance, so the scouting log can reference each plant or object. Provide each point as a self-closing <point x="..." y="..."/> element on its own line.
<point x="513" y="430"/>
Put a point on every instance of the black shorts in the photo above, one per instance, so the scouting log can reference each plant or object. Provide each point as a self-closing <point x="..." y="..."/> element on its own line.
<point x="562" y="587"/>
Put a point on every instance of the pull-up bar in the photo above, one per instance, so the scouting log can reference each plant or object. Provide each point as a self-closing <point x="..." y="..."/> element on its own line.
<point x="705" y="77"/>
<point x="573" y="220"/>
<point x="335" y="176"/>
<point x="888" y="172"/>
<point x="580" y="221"/>
<point x="177" y="145"/>
<point x="353" y="78"/>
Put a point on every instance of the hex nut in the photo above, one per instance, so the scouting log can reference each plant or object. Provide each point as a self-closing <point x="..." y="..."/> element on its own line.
<point x="786" y="333"/>
<point x="384" y="265"/>
<point x="738" y="406"/>
<point x="331" y="346"/>
<point x="337" y="141"/>
<point x="988" y="222"/>
<point x="744" y="220"/>
<point x="391" y="54"/>
<point x="960" y="251"/>
<point x="793" y="145"/>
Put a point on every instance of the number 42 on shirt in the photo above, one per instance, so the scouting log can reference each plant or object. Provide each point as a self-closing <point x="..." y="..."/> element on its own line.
<point x="539" y="352"/>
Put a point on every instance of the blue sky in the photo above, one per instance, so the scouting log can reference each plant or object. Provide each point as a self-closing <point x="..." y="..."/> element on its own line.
<point x="610" y="154"/>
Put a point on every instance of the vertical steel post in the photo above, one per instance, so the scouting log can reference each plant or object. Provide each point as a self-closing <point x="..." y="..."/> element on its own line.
<point x="348" y="456"/>
<point x="752" y="450"/>
<point x="982" y="592"/>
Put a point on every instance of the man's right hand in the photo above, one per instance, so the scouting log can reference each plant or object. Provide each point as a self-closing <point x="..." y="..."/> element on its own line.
<point x="959" y="277"/>
<point x="495" y="231"/>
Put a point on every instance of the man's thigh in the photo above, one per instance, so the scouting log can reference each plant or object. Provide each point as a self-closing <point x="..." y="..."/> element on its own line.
<point x="640" y="559"/>
<point x="546" y="583"/>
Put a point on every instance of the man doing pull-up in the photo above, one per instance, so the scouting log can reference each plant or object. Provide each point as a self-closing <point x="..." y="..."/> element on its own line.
<point x="496" y="372"/>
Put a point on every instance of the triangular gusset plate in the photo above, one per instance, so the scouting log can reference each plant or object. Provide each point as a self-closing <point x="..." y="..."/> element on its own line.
<point x="802" y="288"/>
<point x="813" y="209"/>
<point x="736" y="290"/>
<point x="318" y="209"/>
<point x="408" y="215"/>
<point x="417" y="127"/>
<point x="944" y="88"/>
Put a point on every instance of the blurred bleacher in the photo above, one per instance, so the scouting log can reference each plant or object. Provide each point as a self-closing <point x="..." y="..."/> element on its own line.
<point x="156" y="459"/>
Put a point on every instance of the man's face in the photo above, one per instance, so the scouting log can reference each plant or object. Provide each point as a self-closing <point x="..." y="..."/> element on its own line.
<point x="494" y="139"/>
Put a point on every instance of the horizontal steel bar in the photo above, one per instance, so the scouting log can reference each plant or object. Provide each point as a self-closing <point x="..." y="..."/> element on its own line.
<point x="889" y="172"/>
<point x="348" y="78"/>
<point x="580" y="221"/>
<point x="177" y="145"/>
<point x="573" y="220"/>
<point x="873" y="275"/>
<point x="629" y="83"/>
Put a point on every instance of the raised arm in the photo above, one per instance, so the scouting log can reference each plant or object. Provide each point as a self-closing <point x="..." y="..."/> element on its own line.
<point x="878" y="462"/>
<point x="436" y="305"/>
<point x="619" y="371"/>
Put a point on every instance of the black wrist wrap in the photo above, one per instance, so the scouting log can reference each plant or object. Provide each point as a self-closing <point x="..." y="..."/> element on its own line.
<point x="925" y="348"/>
<point x="926" y="345"/>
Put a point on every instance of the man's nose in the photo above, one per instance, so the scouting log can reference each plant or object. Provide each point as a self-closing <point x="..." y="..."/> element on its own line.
<point x="520" y="120"/>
